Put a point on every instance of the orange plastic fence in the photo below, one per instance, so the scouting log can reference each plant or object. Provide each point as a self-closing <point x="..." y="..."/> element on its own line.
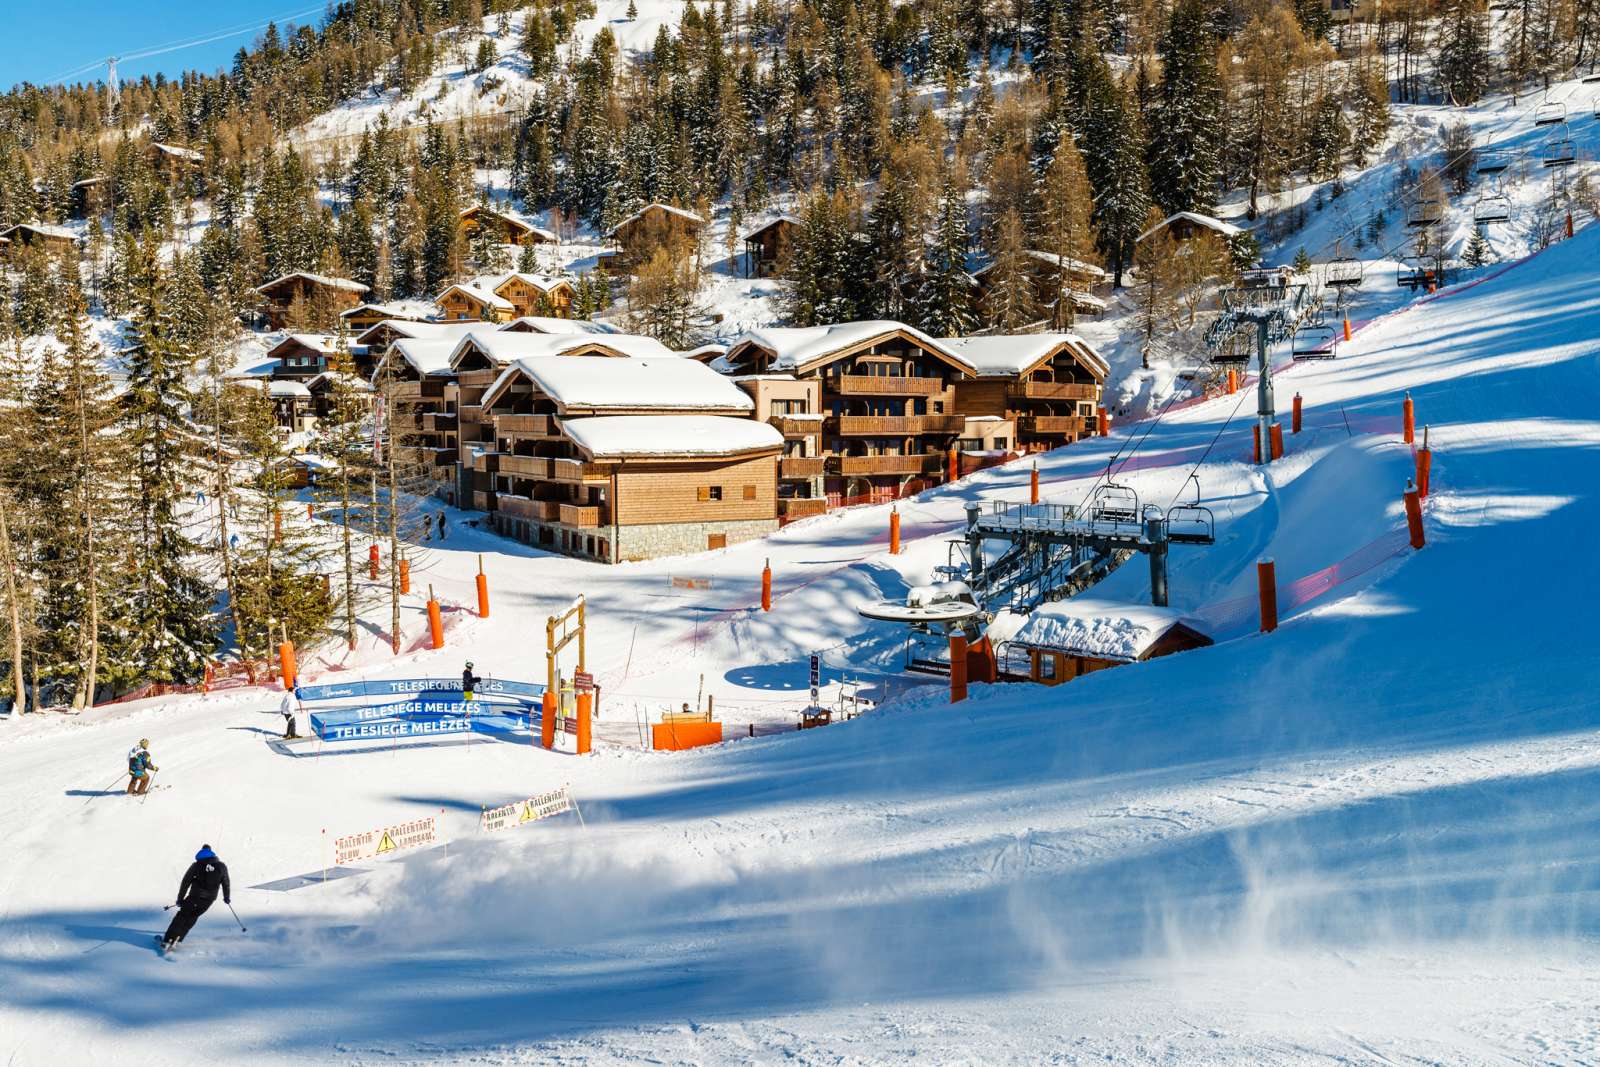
<point x="676" y="736"/>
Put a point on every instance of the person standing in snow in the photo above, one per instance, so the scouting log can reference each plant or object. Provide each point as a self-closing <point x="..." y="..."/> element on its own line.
<point x="441" y="526"/>
<point x="288" y="708"/>
<point x="469" y="681"/>
<point x="198" y="891"/>
<point x="140" y="768"/>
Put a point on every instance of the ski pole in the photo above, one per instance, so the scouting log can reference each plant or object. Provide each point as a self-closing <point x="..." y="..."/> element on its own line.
<point x="107" y="787"/>
<point x="242" y="927"/>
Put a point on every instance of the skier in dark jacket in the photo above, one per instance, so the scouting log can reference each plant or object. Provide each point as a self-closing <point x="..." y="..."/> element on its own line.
<point x="469" y="681"/>
<point x="205" y="876"/>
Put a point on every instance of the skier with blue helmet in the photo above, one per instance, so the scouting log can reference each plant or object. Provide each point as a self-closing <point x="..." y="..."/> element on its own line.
<point x="198" y="891"/>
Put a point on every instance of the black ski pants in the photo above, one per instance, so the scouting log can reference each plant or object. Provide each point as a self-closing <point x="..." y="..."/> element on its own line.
<point x="188" y="913"/>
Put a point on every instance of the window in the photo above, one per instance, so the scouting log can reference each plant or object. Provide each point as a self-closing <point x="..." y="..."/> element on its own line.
<point x="716" y="541"/>
<point x="749" y="492"/>
<point x="709" y="492"/>
<point x="1047" y="666"/>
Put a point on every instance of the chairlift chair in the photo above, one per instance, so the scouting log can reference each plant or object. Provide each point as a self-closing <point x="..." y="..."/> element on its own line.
<point x="1344" y="273"/>
<point x="1425" y="213"/>
<point x="1112" y="502"/>
<point x="1550" y="113"/>
<point x="1416" y="272"/>
<point x="1192" y="523"/>
<point x="1319" y="342"/>
<point x="1495" y="207"/>
<point x="1559" y="151"/>
<point x="1492" y="161"/>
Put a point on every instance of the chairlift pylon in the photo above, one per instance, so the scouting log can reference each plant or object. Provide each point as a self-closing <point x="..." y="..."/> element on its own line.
<point x="1550" y="113"/>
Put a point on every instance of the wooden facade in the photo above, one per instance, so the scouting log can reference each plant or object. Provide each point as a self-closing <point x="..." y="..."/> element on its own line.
<point x="542" y="483"/>
<point x="767" y="248"/>
<point x="513" y="231"/>
<point x="364" y="317"/>
<point x="421" y="409"/>
<point x="506" y="297"/>
<point x="468" y="303"/>
<point x="39" y="235"/>
<point x="302" y="356"/>
<point x="887" y="397"/>
<point x="1045" y="278"/>
<point x="315" y="295"/>
<point x="1187" y="225"/>
<point x="794" y="408"/>
<point x="1051" y="665"/>
<point x="651" y="227"/>
<point x="1048" y="395"/>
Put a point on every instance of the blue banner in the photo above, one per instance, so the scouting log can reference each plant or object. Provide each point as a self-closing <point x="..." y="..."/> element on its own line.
<point x="418" y="718"/>
<point x="356" y="689"/>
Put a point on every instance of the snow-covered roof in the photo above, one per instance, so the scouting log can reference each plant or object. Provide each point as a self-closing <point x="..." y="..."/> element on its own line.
<point x="1100" y="629"/>
<point x="328" y="377"/>
<point x="548" y="324"/>
<point x="42" y="229"/>
<point x="503" y="347"/>
<point x="710" y="350"/>
<point x="642" y="383"/>
<point x="514" y="219"/>
<point x="1074" y="266"/>
<point x="1007" y="355"/>
<point x="287" y="387"/>
<point x="478" y="294"/>
<point x="621" y="436"/>
<point x="689" y="216"/>
<point x="393" y="311"/>
<point x="409" y="328"/>
<point x="317" y="342"/>
<point x="545" y="283"/>
<point x="770" y="223"/>
<point x="315" y="279"/>
<point x="795" y="347"/>
<point x="176" y="151"/>
<point x="1226" y="229"/>
<point x="425" y="355"/>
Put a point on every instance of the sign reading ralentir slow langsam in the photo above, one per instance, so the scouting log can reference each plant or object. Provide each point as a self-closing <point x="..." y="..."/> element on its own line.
<point x="384" y="840"/>
<point x="525" y="811"/>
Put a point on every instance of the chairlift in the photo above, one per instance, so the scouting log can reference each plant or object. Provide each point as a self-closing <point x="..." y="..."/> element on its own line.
<point x="1426" y="212"/>
<point x="1559" y="151"/>
<point x="1192" y="523"/>
<point x="1492" y="161"/>
<point x="1550" y="113"/>
<point x="1318" y="342"/>
<point x="1344" y="273"/>
<point x="1495" y="207"/>
<point x="1416" y="272"/>
<point x="1262" y="278"/>
<point x="1112" y="502"/>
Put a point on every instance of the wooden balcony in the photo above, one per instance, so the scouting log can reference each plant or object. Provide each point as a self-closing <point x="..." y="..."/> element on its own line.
<point x="443" y="457"/>
<point x="482" y="501"/>
<point x="790" y="426"/>
<point x="913" y="464"/>
<point x="537" y="425"/>
<point x="899" y="425"/>
<point x="488" y="462"/>
<point x="438" y="421"/>
<point x="402" y="390"/>
<point x="875" y="385"/>
<point x="573" y="470"/>
<point x="472" y="413"/>
<point x="1053" y="391"/>
<point x="800" y="467"/>
<point x="524" y="466"/>
<point x="520" y="507"/>
<point x="798" y="507"/>
<point x="582" y="517"/>
<point x="1070" y="425"/>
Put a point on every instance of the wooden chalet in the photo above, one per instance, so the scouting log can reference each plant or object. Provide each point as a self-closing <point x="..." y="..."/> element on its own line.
<point x="625" y="458"/>
<point x="311" y="292"/>
<point x="1060" y="641"/>
<point x="1045" y="277"/>
<point x="419" y="390"/>
<point x="291" y="404"/>
<point x="324" y="387"/>
<point x="506" y="297"/>
<point x="549" y="324"/>
<point x="91" y="197"/>
<point x="302" y="356"/>
<point x="39" y="235"/>
<point x="1045" y="387"/>
<point x="1187" y="225"/>
<point x="766" y="248"/>
<point x="513" y="230"/>
<point x="793" y="407"/>
<point x="641" y="233"/>
<point x="363" y="317"/>
<point x="174" y="160"/>
<point x="888" y="400"/>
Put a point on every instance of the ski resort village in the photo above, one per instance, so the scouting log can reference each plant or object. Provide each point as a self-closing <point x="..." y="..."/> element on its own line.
<point x="779" y="531"/>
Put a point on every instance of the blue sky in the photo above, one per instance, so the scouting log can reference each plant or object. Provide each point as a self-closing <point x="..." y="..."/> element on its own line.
<point x="43" y="40"/>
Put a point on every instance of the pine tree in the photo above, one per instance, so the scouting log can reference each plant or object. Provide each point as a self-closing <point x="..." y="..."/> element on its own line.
<point x="1114" y="162"/>
<point x="1478" y="252"/>
<point x="1462" y="55"/>
<point x="662" y="300"/>
<point x="895" y="239"/>
<point x="944" y="297"/>
<point x="1065" y="223"/>
<point x="1186" y="129"/>
<point x="1008" y="302"/>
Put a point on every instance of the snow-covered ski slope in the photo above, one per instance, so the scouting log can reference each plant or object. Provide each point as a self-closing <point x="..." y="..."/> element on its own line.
<point x="1367" y="837"/>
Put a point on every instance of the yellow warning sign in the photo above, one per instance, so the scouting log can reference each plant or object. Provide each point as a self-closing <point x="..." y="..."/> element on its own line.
<point x="386" y="845"/>
<point x="529" y="810"/>
<point x="381" y="842"/>
<point x="527" y="813"/>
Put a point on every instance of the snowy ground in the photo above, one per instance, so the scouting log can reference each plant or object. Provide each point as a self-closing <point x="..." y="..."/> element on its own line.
<point x="1367" y="837"/>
